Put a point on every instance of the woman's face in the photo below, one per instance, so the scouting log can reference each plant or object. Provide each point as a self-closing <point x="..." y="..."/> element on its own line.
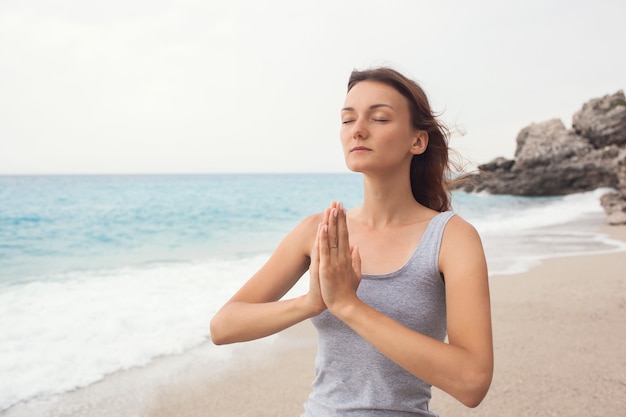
<point x="376" y="129"/>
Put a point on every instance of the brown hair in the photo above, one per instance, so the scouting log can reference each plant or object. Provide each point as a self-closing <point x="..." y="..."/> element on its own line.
<point x="429" y="170"/>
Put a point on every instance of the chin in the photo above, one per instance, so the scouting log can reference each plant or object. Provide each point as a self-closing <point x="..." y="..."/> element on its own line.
<point x="355" y="167"/>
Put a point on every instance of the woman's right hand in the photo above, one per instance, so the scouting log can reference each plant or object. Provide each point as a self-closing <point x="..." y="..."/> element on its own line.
<point x="314" y="296"/>
<point x="258" y="308"/>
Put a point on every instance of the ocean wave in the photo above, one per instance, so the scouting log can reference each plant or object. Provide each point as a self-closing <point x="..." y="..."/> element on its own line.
<point x="506" y="214"/>
<point x="72" y="329"/>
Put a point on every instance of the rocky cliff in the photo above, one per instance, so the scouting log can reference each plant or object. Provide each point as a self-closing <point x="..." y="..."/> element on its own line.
<point x="553" y="160"/>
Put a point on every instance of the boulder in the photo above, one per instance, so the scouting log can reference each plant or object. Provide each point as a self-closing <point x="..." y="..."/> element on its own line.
<point x="603" y="120"/>
<point x="614" y="203"/>
<point x="553" y="160"/>
<point x="548" y="143"/>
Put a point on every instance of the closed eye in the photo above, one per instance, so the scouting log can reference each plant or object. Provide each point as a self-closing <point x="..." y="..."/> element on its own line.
<point x="345" y="122"/>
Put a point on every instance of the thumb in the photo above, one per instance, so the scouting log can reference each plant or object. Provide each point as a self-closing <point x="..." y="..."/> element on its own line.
<point x="356" y="260"/>
<point x="315" y="254"/>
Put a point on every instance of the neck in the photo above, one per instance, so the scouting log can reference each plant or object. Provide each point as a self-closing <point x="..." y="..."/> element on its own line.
<point x="388" y="200"/>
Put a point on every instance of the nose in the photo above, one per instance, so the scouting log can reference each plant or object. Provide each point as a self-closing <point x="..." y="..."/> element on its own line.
<point x="359" y="130"/>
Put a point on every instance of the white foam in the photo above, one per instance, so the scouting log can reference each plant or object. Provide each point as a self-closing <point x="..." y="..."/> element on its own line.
<point x="74" y="329"/>
<point x="504" y="261"/>
<point x="549" y="212"/>
<point x="519" y="232"/>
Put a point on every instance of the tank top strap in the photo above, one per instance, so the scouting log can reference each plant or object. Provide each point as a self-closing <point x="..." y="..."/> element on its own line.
<point x="430" y="244"/>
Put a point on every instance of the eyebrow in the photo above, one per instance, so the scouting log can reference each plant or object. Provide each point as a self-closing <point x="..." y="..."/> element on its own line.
<point x="372" y="107"/>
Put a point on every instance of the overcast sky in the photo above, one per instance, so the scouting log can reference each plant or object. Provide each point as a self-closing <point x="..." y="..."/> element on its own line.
<point x="189" y="86"/>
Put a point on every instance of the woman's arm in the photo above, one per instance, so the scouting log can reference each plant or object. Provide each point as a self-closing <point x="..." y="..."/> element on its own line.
<point x="257" y="310"/>
<point x="464" y="366"/>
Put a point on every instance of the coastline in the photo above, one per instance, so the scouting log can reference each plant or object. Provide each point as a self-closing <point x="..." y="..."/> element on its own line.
<point x="557" y="336"/>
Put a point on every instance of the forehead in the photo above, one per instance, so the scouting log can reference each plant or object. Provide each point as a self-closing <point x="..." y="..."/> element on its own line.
<point x="368" y="93"/>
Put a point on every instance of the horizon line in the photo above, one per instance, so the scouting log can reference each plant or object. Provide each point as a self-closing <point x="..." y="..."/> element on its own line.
<point x="69" y="174"/>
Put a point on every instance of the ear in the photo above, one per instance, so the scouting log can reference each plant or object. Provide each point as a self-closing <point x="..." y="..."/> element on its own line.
<point x="420" y="142"/>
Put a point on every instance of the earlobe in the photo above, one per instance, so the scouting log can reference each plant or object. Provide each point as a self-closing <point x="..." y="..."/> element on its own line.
<point x="420" y="143"/>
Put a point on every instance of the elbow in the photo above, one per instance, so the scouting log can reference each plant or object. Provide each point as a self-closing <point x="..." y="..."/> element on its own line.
<point x="473" y="400"/>
<point x="217" y="340"/>
<point x="218" y="336"/>
<point x="475" y="389"/>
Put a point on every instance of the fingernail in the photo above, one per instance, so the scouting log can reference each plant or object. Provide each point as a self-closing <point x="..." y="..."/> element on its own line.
<point x="335" y="212"/>
<point x="325" y="228"/>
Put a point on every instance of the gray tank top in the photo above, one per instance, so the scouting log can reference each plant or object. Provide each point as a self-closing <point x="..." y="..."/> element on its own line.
<point x="352" y="378"/>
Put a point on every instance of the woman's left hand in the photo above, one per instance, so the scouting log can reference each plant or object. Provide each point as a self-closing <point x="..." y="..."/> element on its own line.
<point x="339" y="263"/>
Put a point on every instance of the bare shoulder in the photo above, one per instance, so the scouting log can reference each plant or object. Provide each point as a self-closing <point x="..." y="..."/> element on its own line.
<point x="460" y="245"/>
<point x="304" y="233"/>
<point x="297" y="244"/>
<point x="312" y="220"/>
<point x="459" y="230"/>
<point x="284" y="267"/>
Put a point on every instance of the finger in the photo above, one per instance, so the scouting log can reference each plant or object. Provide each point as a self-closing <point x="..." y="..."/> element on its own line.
<point x="315" y="255"/>
<point x="332" y="229"/>
<point x="323" y="247"/>
<point x="343" y="241"/>
<point x="326" y="216"/>
<point x="327" y="212"/>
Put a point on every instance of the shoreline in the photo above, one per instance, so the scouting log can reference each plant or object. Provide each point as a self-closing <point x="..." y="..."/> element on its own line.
<point x="557" y="336"/>
<point x="192" y="382"/>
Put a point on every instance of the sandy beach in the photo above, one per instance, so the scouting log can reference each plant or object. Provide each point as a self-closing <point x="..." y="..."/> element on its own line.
<point x="559" y="332"/>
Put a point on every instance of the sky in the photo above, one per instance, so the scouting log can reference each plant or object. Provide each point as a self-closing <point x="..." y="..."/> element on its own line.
<point x="186" y="86"/>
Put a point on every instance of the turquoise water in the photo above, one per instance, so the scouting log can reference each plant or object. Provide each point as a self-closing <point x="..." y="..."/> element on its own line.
<point x="102" y="273"/>
<point x="57" y="224"/>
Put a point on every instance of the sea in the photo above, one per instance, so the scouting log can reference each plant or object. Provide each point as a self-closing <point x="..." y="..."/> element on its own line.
<point x="104" y="273"/>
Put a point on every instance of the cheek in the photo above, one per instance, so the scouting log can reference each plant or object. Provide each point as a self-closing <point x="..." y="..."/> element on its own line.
<point x="344" y="138"/>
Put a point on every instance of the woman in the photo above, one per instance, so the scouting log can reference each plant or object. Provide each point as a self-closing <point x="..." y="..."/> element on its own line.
<point x="388" y="279"/>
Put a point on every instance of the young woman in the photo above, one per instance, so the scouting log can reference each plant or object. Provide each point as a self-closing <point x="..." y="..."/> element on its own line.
<point x="387" y="280"/>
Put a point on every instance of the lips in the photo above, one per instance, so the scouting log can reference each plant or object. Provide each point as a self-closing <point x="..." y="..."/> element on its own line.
<point x="359" y="149"/>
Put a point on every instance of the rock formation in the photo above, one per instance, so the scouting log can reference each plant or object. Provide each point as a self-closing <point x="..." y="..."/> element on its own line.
<point x="553" y="160"/>
<point x="614" y="203"/>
